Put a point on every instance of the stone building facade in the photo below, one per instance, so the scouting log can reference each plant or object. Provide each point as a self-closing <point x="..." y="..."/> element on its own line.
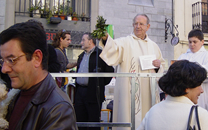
<point x="119" y="13"/>
<point x="2" y="14"/>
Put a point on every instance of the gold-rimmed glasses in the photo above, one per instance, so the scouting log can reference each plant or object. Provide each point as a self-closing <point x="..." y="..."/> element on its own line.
<point x="140" y="24"/>
<point x="10" y="61"/>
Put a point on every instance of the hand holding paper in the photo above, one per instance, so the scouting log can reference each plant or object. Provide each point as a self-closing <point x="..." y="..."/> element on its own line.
<point x="147" y="62"/>
<point x="156" y="63"/>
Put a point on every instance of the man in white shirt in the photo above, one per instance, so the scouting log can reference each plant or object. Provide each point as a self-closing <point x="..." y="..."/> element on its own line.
<point x="197" y="53"/>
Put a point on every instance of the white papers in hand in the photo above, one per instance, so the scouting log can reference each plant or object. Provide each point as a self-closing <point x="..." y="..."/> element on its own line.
<point x="146" y="62"/>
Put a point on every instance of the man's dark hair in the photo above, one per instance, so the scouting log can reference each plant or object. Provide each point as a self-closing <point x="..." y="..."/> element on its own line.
<point x="180" y="76"/>
<point x="60" y="34"/>
<point x="36" y="21"/>
<point x="196" y="33"/>
<point x="31" y="37"/>
<point x="90" y="37"/>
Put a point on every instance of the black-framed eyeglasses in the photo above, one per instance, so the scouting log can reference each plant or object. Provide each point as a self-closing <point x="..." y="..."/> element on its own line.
<point x="10" y="61"/>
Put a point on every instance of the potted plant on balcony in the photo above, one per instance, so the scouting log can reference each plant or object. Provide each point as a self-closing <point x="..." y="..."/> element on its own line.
<point x="32" y="9"/>
<point x="69" y="12"/>
<point x="83" y="16"/>
<point x="45" y="13"/>
<point x="74" y="16"/>
<point x="53" y="20"/>
<point x="54" y="11"/>
<point x="62" y="11"/>
<point x="62" y="15"/>
<point x="49" y="17"/>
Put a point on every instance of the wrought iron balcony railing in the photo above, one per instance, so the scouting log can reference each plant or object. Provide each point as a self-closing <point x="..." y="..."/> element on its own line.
<point x="79" y="9"/>
<point x="200" y="16"/>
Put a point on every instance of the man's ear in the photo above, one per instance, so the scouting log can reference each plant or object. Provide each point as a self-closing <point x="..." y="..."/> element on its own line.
<point x="202" y="42"/>
<point x="61" y="39"/>
<point x="148" y="26"/>
<point x="91" y="42"/>
<point x="37" y="58"/>
<point x="187" y="90"/>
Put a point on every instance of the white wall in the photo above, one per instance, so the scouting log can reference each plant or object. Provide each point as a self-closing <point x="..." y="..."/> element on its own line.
<point x="183" y="18"/>
<point x="10" y="13"/>
<point x="2" y="14"/>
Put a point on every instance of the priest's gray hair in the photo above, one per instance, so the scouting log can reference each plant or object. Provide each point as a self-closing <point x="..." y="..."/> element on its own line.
<point x="148" y="21"/>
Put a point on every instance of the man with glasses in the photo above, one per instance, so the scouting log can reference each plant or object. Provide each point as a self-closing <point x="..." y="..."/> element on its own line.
<point x="40" y="103"/>
<point x="126" y="53"/>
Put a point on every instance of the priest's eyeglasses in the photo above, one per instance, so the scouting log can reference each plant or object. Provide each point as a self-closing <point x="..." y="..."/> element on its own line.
<point x="10" y="61"/>
<point x="140" y="24"/>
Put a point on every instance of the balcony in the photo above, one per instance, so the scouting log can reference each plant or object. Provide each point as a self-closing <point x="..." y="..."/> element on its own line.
<point x="200" y="16"/>
<point x="47" y="8"/>
<point x="42" y="10"/>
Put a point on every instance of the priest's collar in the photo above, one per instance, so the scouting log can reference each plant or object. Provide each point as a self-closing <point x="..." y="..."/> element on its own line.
<point x="135" y="37"/>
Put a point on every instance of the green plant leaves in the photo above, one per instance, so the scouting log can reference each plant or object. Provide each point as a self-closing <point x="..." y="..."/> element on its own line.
<point x="100" y="28"/>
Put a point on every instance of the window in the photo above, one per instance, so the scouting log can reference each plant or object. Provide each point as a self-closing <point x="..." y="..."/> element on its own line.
<point x="142" y="2"/>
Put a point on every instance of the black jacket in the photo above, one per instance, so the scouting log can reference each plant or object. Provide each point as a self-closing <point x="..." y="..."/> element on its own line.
<point x="92" y="83"/>
<point x="53" y="64"/>
<point x="49" y="109"/>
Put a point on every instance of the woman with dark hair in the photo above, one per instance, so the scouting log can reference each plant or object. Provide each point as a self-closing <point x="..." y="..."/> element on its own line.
<point x="182" y="84"/>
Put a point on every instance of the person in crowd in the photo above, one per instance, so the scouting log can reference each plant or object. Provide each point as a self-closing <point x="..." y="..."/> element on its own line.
<point x="40" y="104"/>
<point x="60" y="42"/>
<point x="110" y="106"/>
<point x="126" y="53"/>
<point x="182" y="84"/>
<point x="197" y="53"/>
<point x="90" y="92"/>
<point x="53" y="64"/>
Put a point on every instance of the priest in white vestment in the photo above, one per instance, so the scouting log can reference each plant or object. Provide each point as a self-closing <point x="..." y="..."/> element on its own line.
<point x="197" y="53"/>
<point x="125" y="53"/>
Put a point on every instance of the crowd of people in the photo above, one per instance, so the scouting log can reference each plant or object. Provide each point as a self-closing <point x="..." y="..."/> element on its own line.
<point x="27" y="60"/>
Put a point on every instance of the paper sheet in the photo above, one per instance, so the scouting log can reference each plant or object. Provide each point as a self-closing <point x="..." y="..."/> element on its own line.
<point x="146" y="62"/>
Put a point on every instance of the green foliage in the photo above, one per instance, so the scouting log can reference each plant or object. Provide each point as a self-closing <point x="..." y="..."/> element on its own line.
<point x="65" y="10"/>
<point x="100" y="28"/>
<point x="83" y="15"/>
<point x="74" y="14"/>
<point x="32" y="8"/>
<point x="70" y="10"/>
<point x="49" y="16"/>
<point x="62" y="10"/>
<point x="46" y="11"/>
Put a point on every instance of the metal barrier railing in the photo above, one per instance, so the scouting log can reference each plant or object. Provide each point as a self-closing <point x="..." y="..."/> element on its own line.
<point x="133" y="76"/>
